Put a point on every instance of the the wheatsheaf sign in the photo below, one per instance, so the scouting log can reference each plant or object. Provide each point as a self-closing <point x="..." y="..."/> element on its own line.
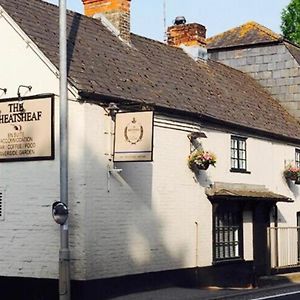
<point x="133" y="136"/>
<point x="26" y="129"/>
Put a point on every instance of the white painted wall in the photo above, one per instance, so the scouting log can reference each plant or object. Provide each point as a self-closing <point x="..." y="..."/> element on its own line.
<point x="266" y="162"/>
<point x="157" y="219"/>
<point x="148" y="223"/>
<point x="29" y="238"/>
<point x="248" y="234"/>
<point x="151" y="222"/>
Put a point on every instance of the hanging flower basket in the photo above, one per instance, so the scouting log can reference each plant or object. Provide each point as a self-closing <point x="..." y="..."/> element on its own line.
<point x="201" y="160"/>
<point x="292" y="173"/>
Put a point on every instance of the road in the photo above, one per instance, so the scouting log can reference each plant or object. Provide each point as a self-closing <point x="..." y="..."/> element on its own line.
<point x="284" y="293"/>
<point x="282" y="296"/>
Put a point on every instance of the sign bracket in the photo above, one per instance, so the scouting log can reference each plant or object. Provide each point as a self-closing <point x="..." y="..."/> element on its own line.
<point x="111" y="171"/>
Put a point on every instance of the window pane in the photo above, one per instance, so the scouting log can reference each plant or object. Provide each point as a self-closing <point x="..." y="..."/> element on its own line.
<point x="242" y="145"/>
<point x="234" y="143"/>
<point x="242" y="154"/>
<point x="297" y="158"/>
<point x="234" y="153"/>
<point x="243" y="164"/>
<point x="237" y="244"/>
<point x="221" y="254"/>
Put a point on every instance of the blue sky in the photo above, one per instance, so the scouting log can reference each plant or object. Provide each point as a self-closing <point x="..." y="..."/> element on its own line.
<point x="216" y="15"/>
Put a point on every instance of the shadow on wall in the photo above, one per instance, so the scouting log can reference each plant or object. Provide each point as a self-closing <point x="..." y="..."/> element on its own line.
<point x="281" y="218"/>
<point x="202" y="178"/>
<point x="293" y="187"/>
<point x="125" y="235"/>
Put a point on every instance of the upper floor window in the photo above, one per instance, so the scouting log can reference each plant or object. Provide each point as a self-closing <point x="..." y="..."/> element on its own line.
<point x="297" y="158"/>
<point x="238" y="154"/>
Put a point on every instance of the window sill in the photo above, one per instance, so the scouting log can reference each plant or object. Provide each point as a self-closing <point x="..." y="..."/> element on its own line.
<point x="239" y="171"/>
<point x="228" y="261"/>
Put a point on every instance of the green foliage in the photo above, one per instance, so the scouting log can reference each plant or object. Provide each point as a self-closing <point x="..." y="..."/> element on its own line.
<point x="290" y="24"/>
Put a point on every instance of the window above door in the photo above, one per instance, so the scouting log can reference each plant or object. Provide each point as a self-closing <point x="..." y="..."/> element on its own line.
<point x="239" y="154"/>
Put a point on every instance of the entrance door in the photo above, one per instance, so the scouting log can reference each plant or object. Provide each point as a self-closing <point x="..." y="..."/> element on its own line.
<point x="261" y="221"/>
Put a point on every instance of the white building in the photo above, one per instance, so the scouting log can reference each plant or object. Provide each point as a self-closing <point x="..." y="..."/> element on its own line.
<point x="155" y="222"/>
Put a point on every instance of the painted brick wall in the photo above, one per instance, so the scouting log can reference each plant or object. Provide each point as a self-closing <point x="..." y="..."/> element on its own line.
<point x="29" y="238"/>
<point x="147" y="223"/>
<point x="273" y="66"/>
<point x="154" y="217"/>
<point x="159" y="218"/>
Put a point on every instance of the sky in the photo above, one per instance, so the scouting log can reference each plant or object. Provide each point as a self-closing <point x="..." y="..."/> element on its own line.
<point x="147" y="16"/>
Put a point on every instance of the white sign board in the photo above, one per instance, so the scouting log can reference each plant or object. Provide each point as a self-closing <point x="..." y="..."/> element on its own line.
<point x="26" y="129"/>
<point x="133" y="136"/>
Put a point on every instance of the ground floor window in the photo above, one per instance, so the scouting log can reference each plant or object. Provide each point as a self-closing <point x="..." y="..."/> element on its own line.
<point x="228" y="231"/>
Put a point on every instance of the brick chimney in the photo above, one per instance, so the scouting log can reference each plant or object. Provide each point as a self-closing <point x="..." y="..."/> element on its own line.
<point x="117" y="12"/>
<point x="190" y="37"/>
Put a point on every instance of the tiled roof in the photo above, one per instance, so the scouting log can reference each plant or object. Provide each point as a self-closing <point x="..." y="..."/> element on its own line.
<point x="250" y="33"/>
<point x="151" y="72"/>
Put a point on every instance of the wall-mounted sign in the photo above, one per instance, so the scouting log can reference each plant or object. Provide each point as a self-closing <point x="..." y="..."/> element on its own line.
<point x="27" y="129"/>
<point x="133" y="136"/>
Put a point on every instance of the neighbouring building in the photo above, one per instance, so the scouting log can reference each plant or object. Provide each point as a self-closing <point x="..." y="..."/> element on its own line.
<point x="136" y="224"/>
<point x="268" y="57"/>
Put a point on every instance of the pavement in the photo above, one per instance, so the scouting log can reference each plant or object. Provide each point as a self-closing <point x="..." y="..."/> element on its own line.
<point x="265" y="284"/>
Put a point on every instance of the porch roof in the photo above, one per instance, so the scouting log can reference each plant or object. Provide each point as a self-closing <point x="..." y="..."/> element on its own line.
<point x="243" y="192"/>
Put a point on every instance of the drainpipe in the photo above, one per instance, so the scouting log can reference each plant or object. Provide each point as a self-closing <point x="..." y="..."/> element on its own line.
<point x="196" y="250"/>
<point x="64" y="251"/>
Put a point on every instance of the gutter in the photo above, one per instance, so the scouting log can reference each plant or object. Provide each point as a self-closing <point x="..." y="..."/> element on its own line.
<point x="192" y="116"/>
<point x="102" y="98"/>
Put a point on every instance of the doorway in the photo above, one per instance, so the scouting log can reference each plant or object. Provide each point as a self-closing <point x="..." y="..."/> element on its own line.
<point x="261" y="221"/>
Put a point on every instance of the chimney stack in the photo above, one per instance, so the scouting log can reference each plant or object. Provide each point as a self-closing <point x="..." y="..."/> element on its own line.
<point x="117" y="12"/>
<point x="190" y="37"/>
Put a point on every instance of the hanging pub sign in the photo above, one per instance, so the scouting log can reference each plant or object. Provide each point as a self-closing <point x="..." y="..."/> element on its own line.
<point x="133" y="136"/>
<point x="26" y="128"/>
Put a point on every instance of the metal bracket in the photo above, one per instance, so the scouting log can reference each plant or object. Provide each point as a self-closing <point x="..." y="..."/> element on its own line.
<point x="28" y="87"/>
<point x="4" y="90"/>
<point x="111" y="171"/>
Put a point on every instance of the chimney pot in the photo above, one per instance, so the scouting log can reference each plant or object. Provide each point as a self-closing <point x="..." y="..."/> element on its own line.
<point x="179" y="20"/>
